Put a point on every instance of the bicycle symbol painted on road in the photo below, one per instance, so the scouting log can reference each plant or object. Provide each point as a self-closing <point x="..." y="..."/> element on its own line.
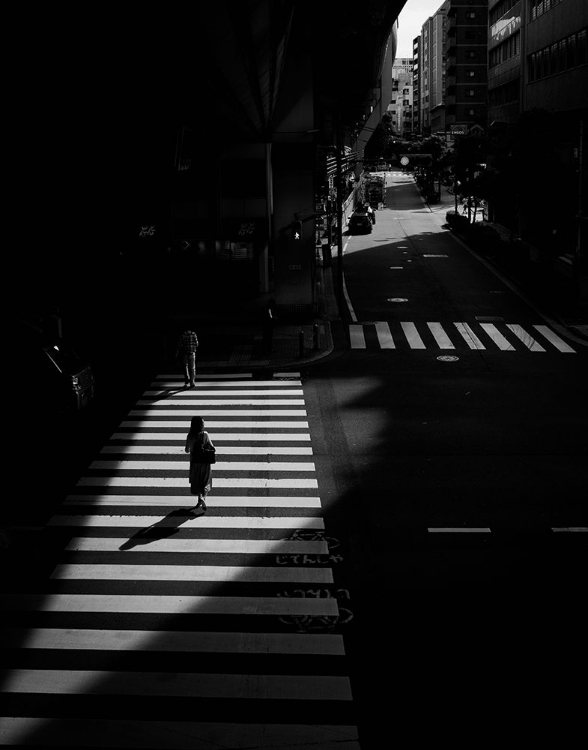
<point x="311" y="536"/>
<point x="316" y="623"/>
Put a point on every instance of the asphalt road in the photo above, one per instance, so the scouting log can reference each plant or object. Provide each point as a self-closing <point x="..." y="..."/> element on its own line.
<point x="453" y="471"/>
<point x="399" y="525"/>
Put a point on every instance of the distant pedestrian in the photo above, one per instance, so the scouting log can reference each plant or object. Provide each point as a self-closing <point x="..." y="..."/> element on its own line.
<point x="186" y="351"/>
<point x="268" y="321"/>
<point x="370" y="212"/>
<point x="200" y="471"/>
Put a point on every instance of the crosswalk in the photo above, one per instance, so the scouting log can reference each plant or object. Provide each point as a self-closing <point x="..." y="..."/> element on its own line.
<point x="472" y="336"/>
<point x="165" y="629"/>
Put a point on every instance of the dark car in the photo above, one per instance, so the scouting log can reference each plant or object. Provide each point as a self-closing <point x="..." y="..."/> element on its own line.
<point x="72" y="376"/>
<point x="360" y="224"/>
<point x="52" y="374"/>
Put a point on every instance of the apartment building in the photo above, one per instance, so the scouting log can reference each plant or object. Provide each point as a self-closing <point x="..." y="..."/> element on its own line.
<point x="401" y="106"/>
<point x="467" y="65"/>
<point x="432" y="71"/>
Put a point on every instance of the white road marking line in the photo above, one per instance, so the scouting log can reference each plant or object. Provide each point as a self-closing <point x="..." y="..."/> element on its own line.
<point x="385" y="336"/>
<point x="527" y="340"/>
<point x="227" y="401"/>
<point x="346" y="295"/>
<point x="207" y="546"/>
<point x="152" y="604"/>
<point x="187" y="501"/>
<point x="554" y="339"/>
<point x="442" y="339"/>
<point x="497" y="337"/>
<point x="223" y="450"/>
<point x="183" y="641"/>
<point x="222" y="466"/>
<point x="157" y="412"/>
<point x="216" y="378"/>
<point x="178" y="382"/>
<point x="180" y="684"/>
<point x="412" y="336"/>
<point x="470" y="337"/>
<point x="214" y="573"/>
<point x="178" y="735"/>
<point x="184" y="426"/>
<point x="189" y="394"/>
<point x="272" y="484"/>
<point x="570" y="528"/>
<point x="459" y="529"/>
<point x="201" y="522"/>
<point x="180" y="437"/>
<point x="357" y="336"/>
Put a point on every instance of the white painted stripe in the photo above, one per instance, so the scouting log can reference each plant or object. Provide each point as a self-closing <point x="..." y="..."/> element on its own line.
<point x="189" y="394"/>
<point x="180" y="684"/>
<point x="554" y="339"/>
<point x="216" y="378"/>
<point x="356" y="336"/>
<point x="180" y="436"/>
<point x="187" y="501"/>
<point x="223" y="450"/>
<point x="570" y="528"/>
<point x="442" y="339"/>
<point x="184" y="426"/>
<point x="171" y="640"/>
<point x="385" y="336"/>
<point x="497" y="337"/>
<point x="215" y="573"/>
<point x="222" y="466"/>
<point x="527" y="340"/>
<point x="459" y="529"/>
<point x="412" y="336"/>
<point x="208" y="546"/>
<point x="470" y="337"/>
<point x="202" y="605"/>
<point x="177" y="735"/>
<point x="227" y="401"/>
<point x="201" y="522"/>
<point x="218" y="412"/>
<point x="275" y="484"/>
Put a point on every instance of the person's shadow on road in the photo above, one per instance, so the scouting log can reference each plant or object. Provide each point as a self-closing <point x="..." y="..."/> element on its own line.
<point x="163" y="529"/>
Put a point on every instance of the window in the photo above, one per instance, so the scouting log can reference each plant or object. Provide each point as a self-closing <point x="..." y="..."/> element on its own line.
<point x="571" y="54"/>
<point x="582" y="51"/>
<point x="471" y="14"/>
<point x="470" y="73"/>
<point x="471" y="92"/>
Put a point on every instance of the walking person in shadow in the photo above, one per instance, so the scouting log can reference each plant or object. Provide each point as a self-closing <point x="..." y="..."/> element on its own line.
<point x="200" y="447"/>
<point x="186" y="352"/>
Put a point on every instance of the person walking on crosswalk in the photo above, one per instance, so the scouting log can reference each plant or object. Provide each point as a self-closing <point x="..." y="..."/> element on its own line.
<point x="198" y="445"/>
<point x="186" y="351"/>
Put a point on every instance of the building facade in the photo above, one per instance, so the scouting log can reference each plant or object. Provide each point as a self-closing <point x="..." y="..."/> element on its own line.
<point x="467" y="65"/>
<point x="432" y="71"/>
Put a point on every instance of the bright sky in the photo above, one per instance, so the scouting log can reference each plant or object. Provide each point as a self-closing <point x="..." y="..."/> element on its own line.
<point x="410" y="21"/>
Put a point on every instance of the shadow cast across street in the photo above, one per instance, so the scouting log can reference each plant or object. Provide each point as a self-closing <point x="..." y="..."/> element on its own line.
<point x="163" y="529"/>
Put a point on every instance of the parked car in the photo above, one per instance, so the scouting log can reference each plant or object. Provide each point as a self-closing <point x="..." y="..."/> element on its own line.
<point x="73" y="377"/>
<point x="360" y="224"/>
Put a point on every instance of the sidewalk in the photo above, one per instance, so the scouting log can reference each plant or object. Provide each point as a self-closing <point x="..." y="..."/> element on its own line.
<point x="548" y="290"/>
<point x="228" y="343"/>
<point x="236" y="345"/>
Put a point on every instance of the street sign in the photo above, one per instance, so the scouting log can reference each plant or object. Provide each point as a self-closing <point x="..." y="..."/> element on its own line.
<point x="459" y="129"/>
<point x="404" y="161"/>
